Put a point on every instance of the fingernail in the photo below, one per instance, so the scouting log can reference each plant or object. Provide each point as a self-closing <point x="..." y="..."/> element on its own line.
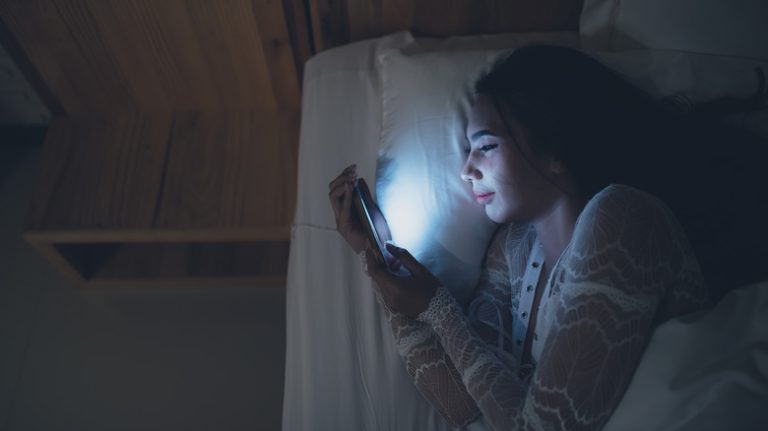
<point x="392" y="248"/>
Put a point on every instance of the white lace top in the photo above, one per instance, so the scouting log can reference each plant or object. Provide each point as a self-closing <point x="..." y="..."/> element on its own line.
<point x="627" y="268"/>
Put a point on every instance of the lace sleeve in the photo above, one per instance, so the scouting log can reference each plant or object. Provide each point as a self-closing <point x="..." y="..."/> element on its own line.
<point x="430" y="367"/>
<point x="425" y="359"/>
<point x="627" y="252"/>
<point x="432" y="371"/>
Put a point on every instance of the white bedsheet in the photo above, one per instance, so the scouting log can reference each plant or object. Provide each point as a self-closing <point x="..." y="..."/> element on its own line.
<point x="704" y="372"/>
<point x="342" y="368"/>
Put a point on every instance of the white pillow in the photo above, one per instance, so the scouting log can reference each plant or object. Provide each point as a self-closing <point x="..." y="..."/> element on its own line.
<point x="698" y="77"/>
<point x="704" y="371"/>
<point x="425" y="101"/>
<point x="340" y="122"/>
<point x="489" y="41"/>
<point x="722" y="27"/>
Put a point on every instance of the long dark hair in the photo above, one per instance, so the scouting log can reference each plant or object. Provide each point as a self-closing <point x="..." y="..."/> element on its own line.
<point x="576" y="110"/>
<point x="605" y="130"/>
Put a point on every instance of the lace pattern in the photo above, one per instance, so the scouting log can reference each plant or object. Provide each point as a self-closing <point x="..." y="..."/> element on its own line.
<point x="440" y="304"/>
<point x="627" y="268"/>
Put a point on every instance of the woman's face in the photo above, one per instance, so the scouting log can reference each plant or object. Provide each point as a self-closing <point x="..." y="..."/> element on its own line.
<point x="502" y="168"/>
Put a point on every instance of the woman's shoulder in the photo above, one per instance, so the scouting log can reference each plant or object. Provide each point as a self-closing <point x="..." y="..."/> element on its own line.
<point x="633" y="232"/>
<point x="619" y="202"/>
<point x="623" y="193"/>
<point x="628" y="218"/>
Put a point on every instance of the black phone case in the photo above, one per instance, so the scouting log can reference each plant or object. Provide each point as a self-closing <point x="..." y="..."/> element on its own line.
<point x="372" y="219"/>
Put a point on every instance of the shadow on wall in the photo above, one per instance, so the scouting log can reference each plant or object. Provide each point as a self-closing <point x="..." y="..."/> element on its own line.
<point x="127" y="359"/>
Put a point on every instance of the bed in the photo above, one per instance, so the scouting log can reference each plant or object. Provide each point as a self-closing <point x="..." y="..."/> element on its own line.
<point x="343" y="372"/>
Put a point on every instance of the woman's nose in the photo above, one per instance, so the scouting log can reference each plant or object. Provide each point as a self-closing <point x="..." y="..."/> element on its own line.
<point x="469" y="172"/>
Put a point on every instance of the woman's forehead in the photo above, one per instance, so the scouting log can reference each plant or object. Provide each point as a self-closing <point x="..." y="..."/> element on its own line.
<point x="483" y="116"/>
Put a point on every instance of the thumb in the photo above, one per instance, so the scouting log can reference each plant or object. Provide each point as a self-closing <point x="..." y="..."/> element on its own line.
<point x="406" y="258"/>
<point x="346" y="205"/>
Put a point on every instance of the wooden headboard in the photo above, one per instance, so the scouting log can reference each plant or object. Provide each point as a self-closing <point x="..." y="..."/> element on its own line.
<point x="337" y="22"/>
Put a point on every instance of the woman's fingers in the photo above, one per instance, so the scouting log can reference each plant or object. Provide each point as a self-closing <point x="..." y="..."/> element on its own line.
<point x="411" y="263"/>
<point x="348" y="174"/>
<point x="335" y="196"/>
<point x="346" y="205"/>
<point x="341" y="199"/>
<point x="406" y="258"/>
<point x="338" y="191"/>
<point x="340" y="188"/>
<point x="341" y="179"/>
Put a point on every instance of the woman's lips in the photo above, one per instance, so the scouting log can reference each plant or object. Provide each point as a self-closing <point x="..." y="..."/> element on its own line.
<point x="483" y="197"/>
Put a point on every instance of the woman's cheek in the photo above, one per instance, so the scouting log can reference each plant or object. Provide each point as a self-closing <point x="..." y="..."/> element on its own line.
<point x="494" y="167"/>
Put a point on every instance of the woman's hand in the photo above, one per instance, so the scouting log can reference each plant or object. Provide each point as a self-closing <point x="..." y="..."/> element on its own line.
<point x="408" y="295"/>
<point x="340" y="195"/>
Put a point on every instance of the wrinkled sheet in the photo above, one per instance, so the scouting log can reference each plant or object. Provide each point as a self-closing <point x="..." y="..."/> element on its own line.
<point x="707" y="371"/>
<point x="342" y="370"/>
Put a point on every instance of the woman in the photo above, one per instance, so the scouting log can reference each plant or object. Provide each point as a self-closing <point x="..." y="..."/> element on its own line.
<point x="578" y="275"/>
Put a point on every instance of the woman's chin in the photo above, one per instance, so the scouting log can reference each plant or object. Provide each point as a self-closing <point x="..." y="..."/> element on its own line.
<point x="496" y="214"/>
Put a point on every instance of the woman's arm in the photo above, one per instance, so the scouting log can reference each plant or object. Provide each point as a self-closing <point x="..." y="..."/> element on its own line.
<point x="432" y="371"/>
<point x="623" y="258"/>
<point x="425" y="359"/>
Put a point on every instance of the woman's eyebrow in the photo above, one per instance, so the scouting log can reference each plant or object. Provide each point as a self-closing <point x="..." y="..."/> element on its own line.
<point x="479" y="134"/>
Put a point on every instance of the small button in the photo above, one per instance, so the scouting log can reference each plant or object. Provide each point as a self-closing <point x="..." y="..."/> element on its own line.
<point x="519" y="342"/>
<point x="535" y="336"/>
<point x="529" y="288"/>
<point x="524" y="314"/>
<point x="535" y="264"/>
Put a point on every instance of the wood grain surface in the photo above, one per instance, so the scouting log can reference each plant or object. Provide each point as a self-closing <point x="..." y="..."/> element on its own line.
<point x="198" y="174"/>
<point x="173" y="155"/>
<point x="191" y="198"/>
<point x="100" y="172"/>
<point x="116" y="55"/>
<point x="337" y="22"/>
<point x="230" y="170"/>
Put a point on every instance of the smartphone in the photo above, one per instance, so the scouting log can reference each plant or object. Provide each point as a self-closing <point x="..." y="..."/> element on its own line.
<point x="374" y="224"/>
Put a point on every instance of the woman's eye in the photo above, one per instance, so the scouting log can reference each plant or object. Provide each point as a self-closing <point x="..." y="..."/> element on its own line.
<point x="483" y="149"/>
